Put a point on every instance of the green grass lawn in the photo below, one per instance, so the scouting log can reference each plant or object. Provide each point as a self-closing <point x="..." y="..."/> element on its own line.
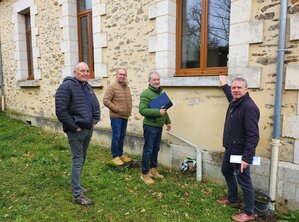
<point x="35" y="185"/>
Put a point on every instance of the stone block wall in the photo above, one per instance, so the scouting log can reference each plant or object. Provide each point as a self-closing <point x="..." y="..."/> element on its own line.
<point x="290" y="128"/>
<point x="244" y="31"/>
<point x="36" y="97"/>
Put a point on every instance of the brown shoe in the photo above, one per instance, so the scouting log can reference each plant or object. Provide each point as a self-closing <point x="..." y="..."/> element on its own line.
<point x="117" y="161"/>
<point x="125" y="158"/>
<point x="226" y="202"/>
<point x="243" y="217"/>
<point x="154" y="173"/>
<point x="147" y="179"/>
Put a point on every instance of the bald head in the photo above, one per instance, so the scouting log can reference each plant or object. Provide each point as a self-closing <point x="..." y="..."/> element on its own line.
<point x="81" y="72"/>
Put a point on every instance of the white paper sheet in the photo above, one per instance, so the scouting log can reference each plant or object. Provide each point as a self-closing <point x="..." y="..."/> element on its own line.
<point x="238" y="158"/>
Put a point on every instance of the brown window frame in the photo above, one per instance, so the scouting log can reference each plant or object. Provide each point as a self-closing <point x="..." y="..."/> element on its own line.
<point x="28" y="38"/>
<point x="203" y="70"/>
<point x="88" y="14"/>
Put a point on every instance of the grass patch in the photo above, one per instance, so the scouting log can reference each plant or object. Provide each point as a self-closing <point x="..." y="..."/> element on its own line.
<point x="35" y="185"/>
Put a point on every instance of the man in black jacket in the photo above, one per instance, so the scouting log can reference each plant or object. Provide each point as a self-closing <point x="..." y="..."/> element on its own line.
<point x="78" y="109"/>
<point x="240" y="137"/>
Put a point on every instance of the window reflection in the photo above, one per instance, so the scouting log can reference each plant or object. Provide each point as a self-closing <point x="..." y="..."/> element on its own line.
<point x="84" y="39"/>
<point x="84" y="5"/>
<point x="191" y="25"/>
<point x="203" y="35"/>
<point x="29" y="46"/>
<point x="84" y="16"/>
<point x="218" y="32"/>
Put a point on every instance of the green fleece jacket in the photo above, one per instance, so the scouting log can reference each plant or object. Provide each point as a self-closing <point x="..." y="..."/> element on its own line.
<point x="152" y="117"/>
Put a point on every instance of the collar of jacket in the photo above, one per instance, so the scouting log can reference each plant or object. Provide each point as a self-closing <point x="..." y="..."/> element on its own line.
<point x="236" y="102"/>
<point x="159" y="90"/>
<point x="122" y="85"/>
<point x="82" y="83"/>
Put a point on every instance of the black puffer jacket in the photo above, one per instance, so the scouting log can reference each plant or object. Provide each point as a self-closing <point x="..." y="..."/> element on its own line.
<point x="72" y="108"/>
<point x="241" y="131"/>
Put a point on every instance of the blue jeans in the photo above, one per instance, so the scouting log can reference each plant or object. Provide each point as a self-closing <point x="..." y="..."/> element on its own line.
<point x="119" y="129"/>
<point x="79" y="142"/>
<point x="232" y="174"/>
<point x="152" y="140"/>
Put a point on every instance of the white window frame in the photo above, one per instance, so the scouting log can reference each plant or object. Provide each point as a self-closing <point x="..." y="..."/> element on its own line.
<point x="69" y="45"/>
<point x="18" y="20"/>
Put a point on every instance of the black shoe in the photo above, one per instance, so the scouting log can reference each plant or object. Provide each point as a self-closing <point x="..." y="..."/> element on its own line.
<point x="82" y="200"/>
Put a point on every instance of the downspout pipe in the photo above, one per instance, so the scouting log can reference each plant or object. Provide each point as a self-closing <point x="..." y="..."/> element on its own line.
<point x="1" y="73"/>
<point x="275" y="143"/>
<point x="1" y="82"/>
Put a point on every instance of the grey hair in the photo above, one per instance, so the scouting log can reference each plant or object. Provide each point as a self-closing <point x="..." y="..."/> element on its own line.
<point x="241" y="80"/>
<point x="77" y="65"/>
<point x="151" y="73"/>
<point x="118" y="69"/>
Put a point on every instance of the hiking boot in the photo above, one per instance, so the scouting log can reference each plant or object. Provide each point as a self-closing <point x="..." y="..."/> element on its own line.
<point x="243" y="217"/>
<point x="82" y="200"/>
<point x="226" y="202"/>
<point x="125" y="158"/>
<point x="117" y="161"/>
<point x="154" y="173"/>
<point x="147" y="179"/>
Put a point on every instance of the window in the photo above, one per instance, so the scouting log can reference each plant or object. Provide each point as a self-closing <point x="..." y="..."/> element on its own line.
<point x="29" y="46"/>
<point x="202" y="37"/>
<point x="27" y="52"/>
<point x="84" y="15"/>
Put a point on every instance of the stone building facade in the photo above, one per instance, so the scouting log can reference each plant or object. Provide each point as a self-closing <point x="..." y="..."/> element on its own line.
<point x="141" y="36"/>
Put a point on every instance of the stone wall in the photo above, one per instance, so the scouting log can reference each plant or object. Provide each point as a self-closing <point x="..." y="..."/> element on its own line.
<point x="264" y="55"/>
<point x="36" y="101"/>
<point x="292" y="78"/>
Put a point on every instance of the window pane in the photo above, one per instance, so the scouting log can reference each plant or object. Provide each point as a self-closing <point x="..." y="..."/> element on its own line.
<point x="27" y="22"/>
<point x="84" y="5"/>
<point x="84" y="39"/>
<point x="218" y="32"/>
<point x="191" y="25"/>
<point x="29" y="54"/>
<point x="29" y="46"/>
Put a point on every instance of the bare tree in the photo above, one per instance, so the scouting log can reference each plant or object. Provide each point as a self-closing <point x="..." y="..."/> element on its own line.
<point x="218" y="29"/>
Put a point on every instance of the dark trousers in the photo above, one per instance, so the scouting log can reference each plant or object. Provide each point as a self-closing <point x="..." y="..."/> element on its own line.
<point x="232" y="174"/>
<point x="119" y="129"/>
<point x="79" y="142"/>
<point x="152" y="140"/>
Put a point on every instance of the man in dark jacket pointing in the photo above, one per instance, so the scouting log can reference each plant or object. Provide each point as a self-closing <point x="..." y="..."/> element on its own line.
<point x="240" y="137"/>
<point x="78" y="109"/>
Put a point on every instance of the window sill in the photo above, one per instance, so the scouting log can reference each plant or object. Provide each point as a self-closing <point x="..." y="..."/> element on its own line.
<point x="189" y="81"/>
<point x="95" y="83"/>
<point x="28" y="83"/>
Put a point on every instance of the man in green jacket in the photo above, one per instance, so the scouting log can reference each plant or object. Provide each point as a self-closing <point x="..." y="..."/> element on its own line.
<point x="154" y="120"/>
